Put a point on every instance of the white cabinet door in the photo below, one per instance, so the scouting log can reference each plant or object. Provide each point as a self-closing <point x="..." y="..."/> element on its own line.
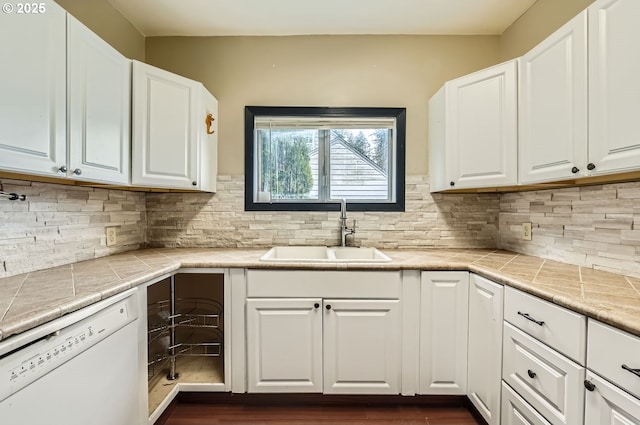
<point x="284" y="345"/>
<point x="479" y="137"/>
<point x="614" y="86"/>
<point x="99" y="79"/>
<point x="362" y="346"/>
<point x="33" y="116"/>
<point x="606" y="404"/>
<point x="164" y="149"/>
<point x="485" y="347"/>
<point x="444" y="320"/>
<point x="552" y="106"/>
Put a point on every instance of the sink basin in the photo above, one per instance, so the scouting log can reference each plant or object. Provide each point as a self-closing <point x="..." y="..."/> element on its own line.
<point x="296" y="253"/>
<point x="349" y="253"/>
<point x="324" y="254"/>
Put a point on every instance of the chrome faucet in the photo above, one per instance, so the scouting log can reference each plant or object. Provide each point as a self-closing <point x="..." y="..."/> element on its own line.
<point x="344" y="230"/>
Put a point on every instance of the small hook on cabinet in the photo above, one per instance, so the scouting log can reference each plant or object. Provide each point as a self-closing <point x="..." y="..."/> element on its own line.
<point x="209" y="121"/>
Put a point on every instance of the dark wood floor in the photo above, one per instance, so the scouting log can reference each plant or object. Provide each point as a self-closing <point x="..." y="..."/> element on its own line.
<point x="287" y="409"/>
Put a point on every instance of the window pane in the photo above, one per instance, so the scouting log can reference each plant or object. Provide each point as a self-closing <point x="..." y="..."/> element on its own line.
<point x="308" y="158"/>
<point x="359" y="164"/>
<point x="288" y="162"/>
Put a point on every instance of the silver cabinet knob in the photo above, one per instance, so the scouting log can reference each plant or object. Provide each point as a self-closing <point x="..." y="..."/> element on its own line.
<point x="62" y="169"/>
<point x="77" y="171"/>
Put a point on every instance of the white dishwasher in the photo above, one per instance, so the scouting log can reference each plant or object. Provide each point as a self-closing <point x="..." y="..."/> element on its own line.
<point x="79" y="369"/>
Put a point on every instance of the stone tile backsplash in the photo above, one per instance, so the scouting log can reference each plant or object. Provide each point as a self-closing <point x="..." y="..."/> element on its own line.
<point x="219" y="220"/>
<point x="594" y="226"/>
<point x="60" y="224"/>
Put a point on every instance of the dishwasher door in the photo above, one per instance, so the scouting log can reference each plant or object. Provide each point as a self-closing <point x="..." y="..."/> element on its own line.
<point x="86" y="373"/>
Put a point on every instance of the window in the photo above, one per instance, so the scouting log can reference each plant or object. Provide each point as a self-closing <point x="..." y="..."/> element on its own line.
<point x="309" y="159"/>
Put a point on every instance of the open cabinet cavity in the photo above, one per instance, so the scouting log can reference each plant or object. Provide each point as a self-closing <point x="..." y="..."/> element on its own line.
<point x="185" y="335"/>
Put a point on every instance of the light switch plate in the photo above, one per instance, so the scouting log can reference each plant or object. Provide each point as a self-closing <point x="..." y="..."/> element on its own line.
<point x="111" y="236"/>
<point x="526" y="231"/>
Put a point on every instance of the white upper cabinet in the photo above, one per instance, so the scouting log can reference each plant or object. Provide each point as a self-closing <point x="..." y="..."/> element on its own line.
<point x="579" y="95"/>
<point x="99" y="108"/>
<point x="473" y="130"/>
<point x="169" y="114"/>
<point x="614" y="86"/>
<point x="33" y="118"/>
<point x="65" y="105"/>
<point x="577" y="101"/>
<point x="552" y="106"/>
<point x="164" y="122"/>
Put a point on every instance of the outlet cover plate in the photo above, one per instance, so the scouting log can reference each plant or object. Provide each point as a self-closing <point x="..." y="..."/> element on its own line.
<point x="111" y="236"/>
<point x="526" y="231"/>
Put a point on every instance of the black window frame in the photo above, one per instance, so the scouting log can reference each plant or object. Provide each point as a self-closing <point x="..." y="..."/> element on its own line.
<point x="329" y="112"/>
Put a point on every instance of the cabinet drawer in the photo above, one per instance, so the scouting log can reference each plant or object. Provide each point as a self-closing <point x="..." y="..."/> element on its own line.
<point x="561" y="329"/>
<point x="608" y="350"/>
<point x="323" y="284"/>
<point x="608" y="404"/>
<point x="549" y="381"/>
<point x="516" y="411"/>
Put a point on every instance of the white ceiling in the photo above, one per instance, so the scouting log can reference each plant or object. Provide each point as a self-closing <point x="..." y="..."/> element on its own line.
<point x="302" y="17"/>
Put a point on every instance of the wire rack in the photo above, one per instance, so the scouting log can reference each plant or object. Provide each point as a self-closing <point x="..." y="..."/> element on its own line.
<point x="195" y="328"/>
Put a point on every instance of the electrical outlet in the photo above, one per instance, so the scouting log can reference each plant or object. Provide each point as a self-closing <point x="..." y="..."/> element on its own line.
<point x="111" y="236"/>
<point x="526" y="231"/>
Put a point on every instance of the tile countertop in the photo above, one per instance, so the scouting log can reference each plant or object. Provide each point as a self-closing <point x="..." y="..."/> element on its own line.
<point x="31" y="299"/>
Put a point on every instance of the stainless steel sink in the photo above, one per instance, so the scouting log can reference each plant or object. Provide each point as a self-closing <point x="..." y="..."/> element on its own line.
<point x="323" y="254"/>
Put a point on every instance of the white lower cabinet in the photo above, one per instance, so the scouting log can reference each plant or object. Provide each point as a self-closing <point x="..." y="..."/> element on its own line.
<point x="485" y="347"/>
<point x="613" y="354"/>
<point x="516" y="411"/>
<point x="607" y="404"/>
<point x="549" y="381"/>
<point x="284" y="337"/>
<point x="612" y="386"/>
<point x="544" y="352"/>
<point x="444" y="324"/>
<point x="181" y="339"/>
<point x="361" y="346"/>
<point x="334" y="346"/>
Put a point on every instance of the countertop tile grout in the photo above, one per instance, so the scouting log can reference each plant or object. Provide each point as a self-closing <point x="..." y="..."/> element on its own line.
<point x="563" y="284"/>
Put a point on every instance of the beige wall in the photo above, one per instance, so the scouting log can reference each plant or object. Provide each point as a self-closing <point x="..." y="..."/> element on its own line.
<point x="542" y="19"/>
<point x="392" y="71"/>
<point x="109" y="24"/>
